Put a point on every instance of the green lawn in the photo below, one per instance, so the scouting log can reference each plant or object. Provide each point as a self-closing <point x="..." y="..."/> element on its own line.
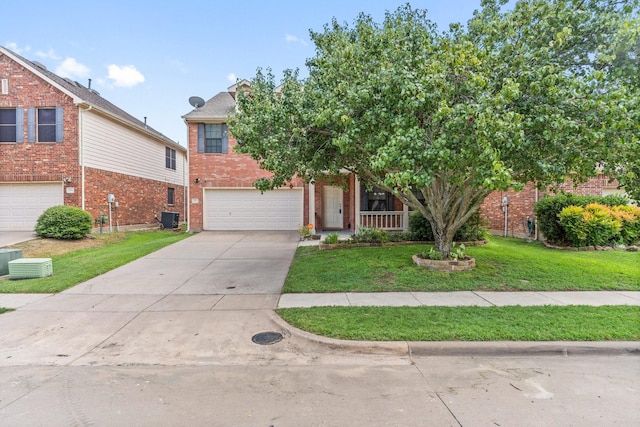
<point x="513" y="323"/>
<point x="78" y="266"/>
<point x="502" y="265"/>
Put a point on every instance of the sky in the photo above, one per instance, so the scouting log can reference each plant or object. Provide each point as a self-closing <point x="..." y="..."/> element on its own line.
<point x="149" y="57"/>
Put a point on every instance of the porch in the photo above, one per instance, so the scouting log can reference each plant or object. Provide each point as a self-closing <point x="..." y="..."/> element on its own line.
<point x="354" y="206"/>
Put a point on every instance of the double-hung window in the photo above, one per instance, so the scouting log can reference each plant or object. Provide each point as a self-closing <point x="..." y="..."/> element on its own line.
<point x="212" y="138"/>
<point x="170" y="158"/>
<point x="46" y="125"/>
<point x="9" y="121"/>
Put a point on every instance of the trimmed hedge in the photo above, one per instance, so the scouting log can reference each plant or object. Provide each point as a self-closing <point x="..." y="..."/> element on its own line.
<point x="64" y="223"/>
<point x="548" y="210"/>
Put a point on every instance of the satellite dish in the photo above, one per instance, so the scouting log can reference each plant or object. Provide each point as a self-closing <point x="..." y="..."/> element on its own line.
<point x="196" y="101"/>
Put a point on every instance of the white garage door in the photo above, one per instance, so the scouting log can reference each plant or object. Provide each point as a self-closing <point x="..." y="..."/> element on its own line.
<point x="22" y="204"/>
<point x="247" y="209"/>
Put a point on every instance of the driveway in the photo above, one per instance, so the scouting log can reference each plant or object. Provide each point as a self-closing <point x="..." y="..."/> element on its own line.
<point x="8" y="238"/>
<point x="197" y="301"/>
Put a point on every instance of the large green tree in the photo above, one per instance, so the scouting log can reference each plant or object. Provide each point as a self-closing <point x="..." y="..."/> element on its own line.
<point x="543" y="91"/>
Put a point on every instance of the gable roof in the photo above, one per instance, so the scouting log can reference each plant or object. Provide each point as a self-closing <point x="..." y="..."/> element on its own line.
<point x="219" y="107"/>
<point x="83" y="95"/>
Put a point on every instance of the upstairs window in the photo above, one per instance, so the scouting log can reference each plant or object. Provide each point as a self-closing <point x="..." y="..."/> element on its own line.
<point x="212" y="138"/>
<point x="170" y="158"/>
<point x="46" y="125"/>
<point x="11" y="125"/>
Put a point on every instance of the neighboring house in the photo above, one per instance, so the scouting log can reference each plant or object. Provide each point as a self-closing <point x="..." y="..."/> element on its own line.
<point x="61" y="143"/>
<point x="222" y="196"/>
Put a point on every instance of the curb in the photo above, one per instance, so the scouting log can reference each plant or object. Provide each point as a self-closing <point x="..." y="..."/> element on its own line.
<point x="464" y="348"/>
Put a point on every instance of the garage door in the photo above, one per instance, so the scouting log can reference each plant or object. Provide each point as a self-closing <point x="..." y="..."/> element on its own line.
<point x="248" y="209"/>
<point x="22" y="204"/>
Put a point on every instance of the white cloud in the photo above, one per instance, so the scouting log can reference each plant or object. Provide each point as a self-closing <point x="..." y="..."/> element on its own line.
<point x="14" y="47"/>
<point x="125" y="76"/>
<point x="72" y="69"/>
<point x="232" y="77"/>
<point x="289" y="38"/>
<point x="50" y="54"/>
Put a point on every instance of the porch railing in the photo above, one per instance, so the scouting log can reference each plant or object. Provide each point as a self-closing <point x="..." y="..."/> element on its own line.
<point x="385" y="220"/>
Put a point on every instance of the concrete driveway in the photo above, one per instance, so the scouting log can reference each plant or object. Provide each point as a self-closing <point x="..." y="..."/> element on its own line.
<point x="8" y="238"/>
<point x="197" y="301"/>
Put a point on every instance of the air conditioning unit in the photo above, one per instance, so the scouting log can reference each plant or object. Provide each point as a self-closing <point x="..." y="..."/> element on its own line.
<point x="7" y="255"/>
<point x="30" y="268"/>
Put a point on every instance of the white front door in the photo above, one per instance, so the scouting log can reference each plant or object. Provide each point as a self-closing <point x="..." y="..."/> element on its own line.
<point x="332" y="207"/>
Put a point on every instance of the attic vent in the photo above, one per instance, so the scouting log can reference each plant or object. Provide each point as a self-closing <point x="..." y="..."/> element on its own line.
<point x="71" y="82"/>
<point x="39" y="65"/>
<point x="95" y="91"/>
<point x="5" y="86"/>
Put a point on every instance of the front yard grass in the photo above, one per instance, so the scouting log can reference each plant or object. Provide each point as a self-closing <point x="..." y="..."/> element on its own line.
<point x="511" y="323"/>
<point x="106" y="252"/>
<point x="504" y="264"/>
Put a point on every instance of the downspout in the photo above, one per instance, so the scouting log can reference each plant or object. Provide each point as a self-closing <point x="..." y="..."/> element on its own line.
<point x="187" y="184"/>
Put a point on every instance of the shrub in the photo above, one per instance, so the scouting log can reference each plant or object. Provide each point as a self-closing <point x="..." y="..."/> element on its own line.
<point x="629" y="218"/>
<point x="474" y="229"/>
<point x="595" y="224"/>
<point x="420" y="228"/>
<point x="64" y="222"/>
<point x="370" y="235"/>
<point x="331" y="239"/>
<point x="548" y="209"/>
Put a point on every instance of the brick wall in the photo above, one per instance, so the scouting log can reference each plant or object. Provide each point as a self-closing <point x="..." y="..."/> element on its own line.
<point x="222" y="170"/>
<point x="138" y="199"/>
<point x="521" y="204"/>
<point x="33" y="162"/>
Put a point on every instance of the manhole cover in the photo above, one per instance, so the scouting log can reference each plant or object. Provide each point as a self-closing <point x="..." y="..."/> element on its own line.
<point x="266" y="338"/>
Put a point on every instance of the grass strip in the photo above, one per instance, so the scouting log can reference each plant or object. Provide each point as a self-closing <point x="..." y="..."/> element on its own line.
<point x="75" y="267"/>
<point x="508" y="323"/>
<point x="503" y="265"/>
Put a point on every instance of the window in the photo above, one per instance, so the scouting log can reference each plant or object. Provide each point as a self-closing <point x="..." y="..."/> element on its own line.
<point x="170" y="195"/>
<point x="212" y="138"/>
<point x="376" y="200"/>
<point x="7" y="125"/>
<point x="170" y="161"/>
<point x="46" y="125"/>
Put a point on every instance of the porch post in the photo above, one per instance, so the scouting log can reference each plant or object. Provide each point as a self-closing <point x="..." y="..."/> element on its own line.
<point x="312" y="206"/>
<point x="357" y="204"/>
<point x="405" y="217"/>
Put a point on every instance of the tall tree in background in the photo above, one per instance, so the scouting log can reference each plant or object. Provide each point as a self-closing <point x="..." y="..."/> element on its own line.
<point x="541" y="92"/>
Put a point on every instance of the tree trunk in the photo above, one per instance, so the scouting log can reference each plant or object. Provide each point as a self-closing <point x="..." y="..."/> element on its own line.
<point x="447" y="207"/>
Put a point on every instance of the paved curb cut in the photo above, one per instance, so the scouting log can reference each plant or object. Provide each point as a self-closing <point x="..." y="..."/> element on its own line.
<point x="466" y="348"/>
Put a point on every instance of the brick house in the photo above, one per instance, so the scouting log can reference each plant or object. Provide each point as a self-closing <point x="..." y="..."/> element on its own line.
<point x="222" y="196"/>
<point x="61" y="143"/>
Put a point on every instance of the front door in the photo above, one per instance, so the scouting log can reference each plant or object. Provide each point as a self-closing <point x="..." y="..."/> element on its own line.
<point x="332" y="207"/>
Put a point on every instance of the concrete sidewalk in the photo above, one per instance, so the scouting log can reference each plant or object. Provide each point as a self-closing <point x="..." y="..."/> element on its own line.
<point x="345" y="299"/>
<point x="460" y="298"/>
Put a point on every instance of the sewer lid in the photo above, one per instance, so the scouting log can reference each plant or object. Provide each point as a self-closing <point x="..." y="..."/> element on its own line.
<point x="266" y="338"/>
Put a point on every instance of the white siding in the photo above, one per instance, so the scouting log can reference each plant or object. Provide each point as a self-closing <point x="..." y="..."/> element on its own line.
<point x="110" y="146"/>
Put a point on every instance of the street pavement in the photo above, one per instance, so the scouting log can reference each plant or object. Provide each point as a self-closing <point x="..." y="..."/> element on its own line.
<point x="167" y="340"/>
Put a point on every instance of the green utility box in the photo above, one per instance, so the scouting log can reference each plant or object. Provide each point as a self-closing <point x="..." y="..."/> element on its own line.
<point x="7" y="255"/>
<point x="30" y="268"/>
